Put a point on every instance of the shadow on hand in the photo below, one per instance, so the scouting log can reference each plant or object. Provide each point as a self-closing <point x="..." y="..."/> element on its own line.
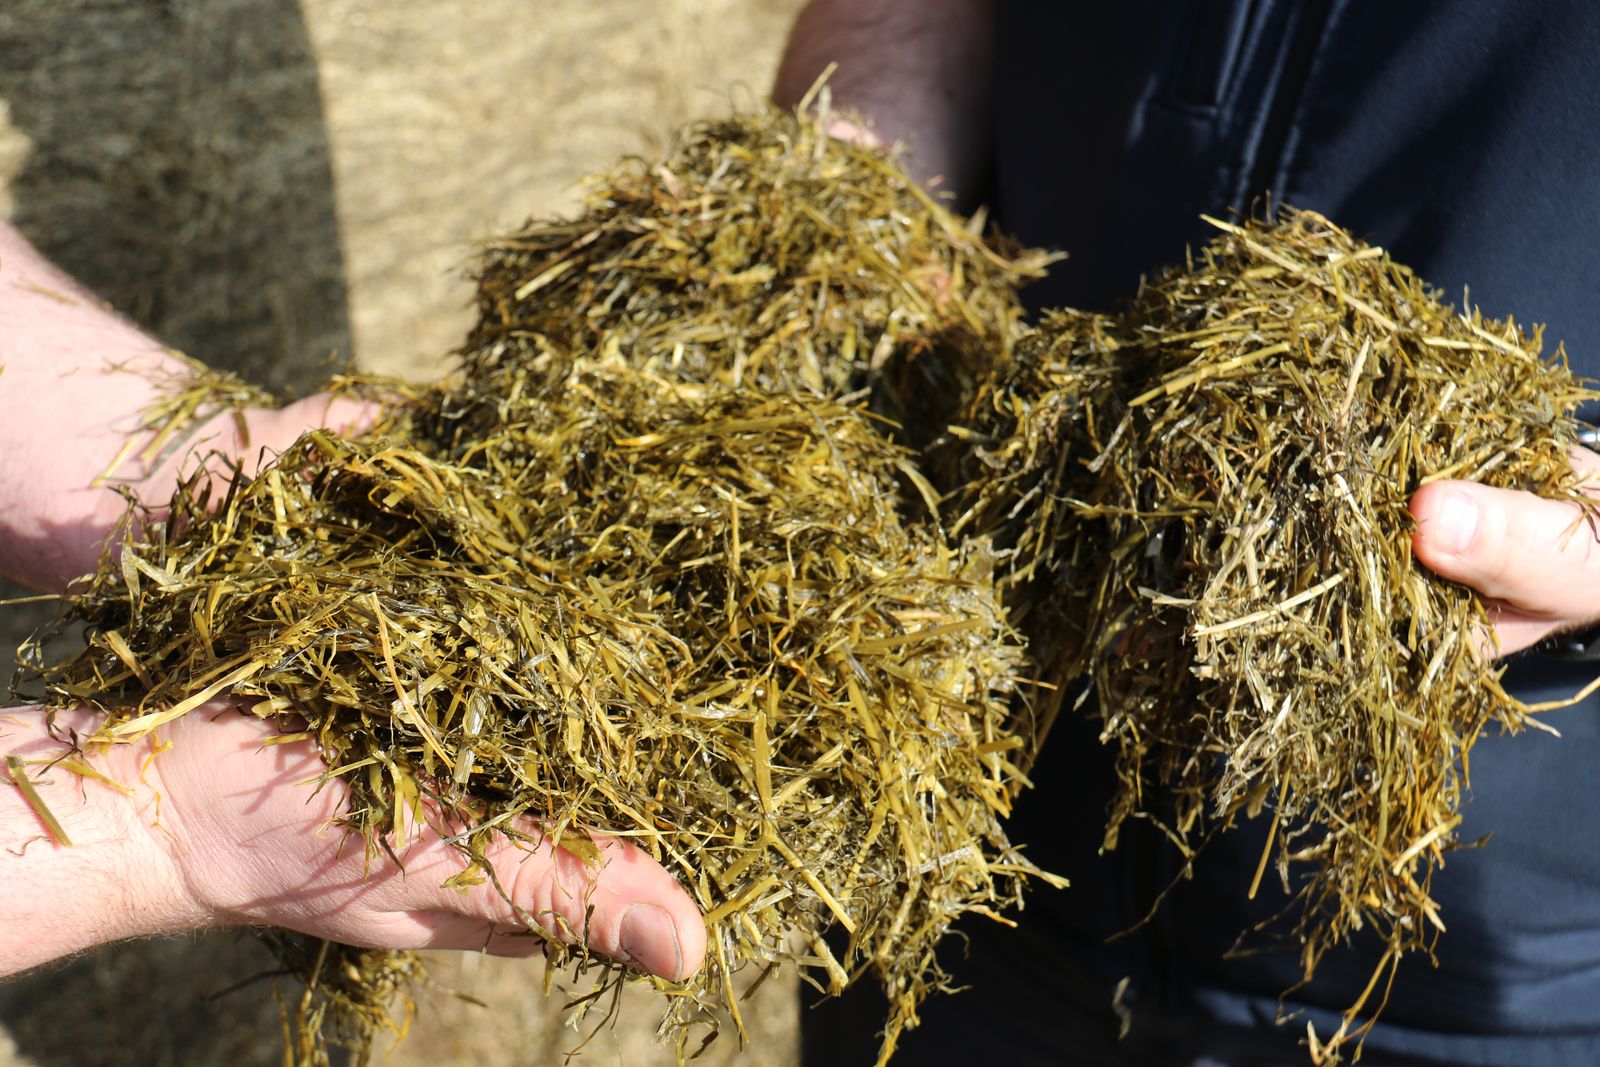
<point x="172" y="156"/>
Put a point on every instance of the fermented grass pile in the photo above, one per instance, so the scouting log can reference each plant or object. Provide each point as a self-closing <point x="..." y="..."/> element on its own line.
<point x="633" y="570"/>
<point x="1207" y="499"/>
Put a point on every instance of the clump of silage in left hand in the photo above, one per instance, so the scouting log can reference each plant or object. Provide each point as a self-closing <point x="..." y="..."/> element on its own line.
<point x="1018" y="456"/>
<point x="655" y="608"/>
<point x="1216" y="484"/>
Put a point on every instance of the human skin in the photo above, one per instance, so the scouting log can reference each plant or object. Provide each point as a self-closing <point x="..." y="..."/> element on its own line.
<point x="920" y="72"/>
<point x="208" y="824"/>
<point x="1535" y="562"/>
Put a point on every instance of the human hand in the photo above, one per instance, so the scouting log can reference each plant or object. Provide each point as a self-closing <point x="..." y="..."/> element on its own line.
<point x="1536" y="562"/>
<point x="60" y="511"/>
<point x="920" y="71"/>
<point x="76" y="383"/>
<point x="222" y="828"/>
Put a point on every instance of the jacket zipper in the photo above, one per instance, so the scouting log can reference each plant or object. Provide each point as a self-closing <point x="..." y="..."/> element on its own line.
<point x="1304" y="39"/>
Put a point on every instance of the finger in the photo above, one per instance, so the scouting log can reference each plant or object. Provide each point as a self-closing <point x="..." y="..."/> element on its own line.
<point x="1541" y="557"/>
<point x="1513" y="631"/>
<point x="342" y="414"/>
<point x="1508" y="630"/>
<point x="264" y="433"/>
<point x="272" y="431"/>
<point x="843" y="129"/>
<point x="623" y="905"/>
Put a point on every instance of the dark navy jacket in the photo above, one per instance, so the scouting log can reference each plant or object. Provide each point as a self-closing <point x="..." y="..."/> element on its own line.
<point x="1464" y="136"/>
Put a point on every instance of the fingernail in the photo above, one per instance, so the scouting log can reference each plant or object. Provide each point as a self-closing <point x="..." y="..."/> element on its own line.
<point x="1455" y="523"/>
<point x="649" y="938"/>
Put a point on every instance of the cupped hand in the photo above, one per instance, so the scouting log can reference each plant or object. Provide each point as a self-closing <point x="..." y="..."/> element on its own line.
<point x="63" y="495"/>
<point x="1535" y="561"/>
<point x="78" y="387"/>
<point x="254" y="841"/>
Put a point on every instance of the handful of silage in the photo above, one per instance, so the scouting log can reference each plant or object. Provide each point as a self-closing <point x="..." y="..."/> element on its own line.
<point x="633" y="571"/>
<point x="1207" y="499"/>
<point x="761" y="253"/>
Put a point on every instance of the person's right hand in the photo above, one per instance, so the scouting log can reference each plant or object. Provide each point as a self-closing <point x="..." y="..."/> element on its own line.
<point x="256" y="844"/>
<point x="1535" y="562"/>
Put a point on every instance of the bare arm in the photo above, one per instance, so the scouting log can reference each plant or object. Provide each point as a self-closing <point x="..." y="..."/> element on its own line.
<point x="75" y="379"/>
<point x="920" y="70"/>
<point x="109" y="885"/>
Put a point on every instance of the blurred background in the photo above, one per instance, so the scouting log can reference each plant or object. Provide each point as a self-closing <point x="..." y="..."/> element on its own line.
<point x="284" y="188"/>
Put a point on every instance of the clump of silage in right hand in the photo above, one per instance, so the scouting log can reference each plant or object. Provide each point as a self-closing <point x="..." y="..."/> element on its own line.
<point x="1216" y="486"/>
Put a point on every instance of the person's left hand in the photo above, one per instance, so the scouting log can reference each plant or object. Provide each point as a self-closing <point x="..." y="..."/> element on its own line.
<point x="251" y="828"/>
<point x="219" y="824"/>
<point x="77" y="386"/>
<point x="61" y="514"/>
<point x="1536" y="562"/>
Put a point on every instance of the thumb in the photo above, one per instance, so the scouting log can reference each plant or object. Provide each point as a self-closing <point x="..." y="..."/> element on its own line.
<point x="1539" y="557"/>
<point x="618" y="902"/>
<point x="253" y="437"/>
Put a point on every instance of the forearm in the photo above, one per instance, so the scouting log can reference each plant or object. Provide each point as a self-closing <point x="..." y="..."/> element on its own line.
<point x="77" y="382"/>
<point x="75" y="379"/>
<point x="920" y="70"/>
<point x="113" y="882"/>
